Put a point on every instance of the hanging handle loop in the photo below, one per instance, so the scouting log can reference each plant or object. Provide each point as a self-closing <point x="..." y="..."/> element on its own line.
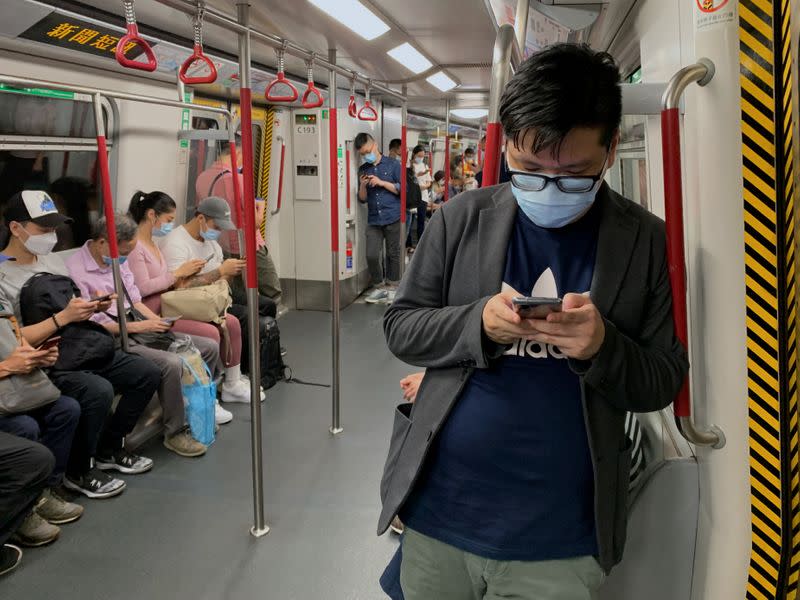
<point x="270" y="93"/>
<point x="368" y="112"/>
<point x="197" y="56"/>
<point x="132" y="37"/>
<point x="352" y="108"/>
<point x="311" y="89"/>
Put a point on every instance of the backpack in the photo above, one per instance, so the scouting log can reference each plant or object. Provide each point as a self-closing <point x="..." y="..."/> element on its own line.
<point x="84" y="346"/>
<point x="273" y="368"/>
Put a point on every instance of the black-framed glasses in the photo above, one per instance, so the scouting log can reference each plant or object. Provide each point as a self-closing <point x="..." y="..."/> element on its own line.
<point x="569" y="184"/>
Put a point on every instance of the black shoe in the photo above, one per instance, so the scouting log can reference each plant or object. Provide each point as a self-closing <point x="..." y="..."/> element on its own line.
<point x="123" y="461"/>
<point x="95" y="484"/>
<point x="10" y="555"/>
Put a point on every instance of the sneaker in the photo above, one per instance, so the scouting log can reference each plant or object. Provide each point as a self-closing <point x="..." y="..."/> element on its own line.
<point x="222" y="416"/>
<point x="125" y="462"/>
<point x="377" y="296"/>
<point x="95" y="484"/>
<point x="10" y="555"/>
<point x="397" y="526"/>
<point x="239" y="391"/>
<point x="390" y="295"/>
<point x="35" y="531"/>
<point x="54" y="509"/>
<point x="185" y="445"/>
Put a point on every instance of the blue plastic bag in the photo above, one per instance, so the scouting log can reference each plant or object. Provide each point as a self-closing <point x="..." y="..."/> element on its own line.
<point x="200" y="403"/>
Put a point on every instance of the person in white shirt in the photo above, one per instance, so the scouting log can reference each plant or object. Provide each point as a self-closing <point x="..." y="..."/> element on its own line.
<point x="197" y="239"/>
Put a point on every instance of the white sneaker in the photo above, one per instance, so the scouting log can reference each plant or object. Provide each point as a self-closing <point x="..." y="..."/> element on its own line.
<point x="378" y="295"/>
<point x="246" y="379"/>
<point x="236" y="391"/>
<point x="222" y="416"/>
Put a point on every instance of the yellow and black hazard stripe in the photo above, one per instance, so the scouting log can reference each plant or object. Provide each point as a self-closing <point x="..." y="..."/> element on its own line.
<point x="767" y="137"/>
<point x="266" y="165"/>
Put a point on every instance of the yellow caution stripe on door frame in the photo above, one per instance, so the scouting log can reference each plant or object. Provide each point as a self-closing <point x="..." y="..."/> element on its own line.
<point x="266" y="164"/>
<point x="771" y="308"/>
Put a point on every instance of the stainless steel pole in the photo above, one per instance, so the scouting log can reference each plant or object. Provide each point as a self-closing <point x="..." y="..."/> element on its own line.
<point x="403" y="182"/>
<point x="521" y="25"/>
<point x="260" y="528"/>
<point x="333" y="149"/>
<point x="108" y="209"/>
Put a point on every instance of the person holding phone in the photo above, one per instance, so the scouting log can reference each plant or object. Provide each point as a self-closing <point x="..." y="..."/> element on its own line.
<point x="379" y="188"/>
<point x="90" y="268"/>
<point x="520" y="478"/>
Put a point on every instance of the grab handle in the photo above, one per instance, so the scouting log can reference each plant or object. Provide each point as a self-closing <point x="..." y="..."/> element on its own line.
<point x="352" y="106"/>
<point x="197" y="55"/>
<point x="700" y="73"/>
<point x="280" y="80"/>
<point x="311" y="89"/>
<point x="367" y="112"/>
<point x="280" y="179"/>
<point x="132" y="37"/>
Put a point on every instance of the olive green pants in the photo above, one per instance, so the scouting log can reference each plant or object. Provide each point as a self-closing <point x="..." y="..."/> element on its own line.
<point x="269" y="284"/>
<point x="433" y="570"/>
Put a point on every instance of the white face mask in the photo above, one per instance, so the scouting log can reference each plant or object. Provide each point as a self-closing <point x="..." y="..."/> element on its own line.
<point x="41" y="244"/>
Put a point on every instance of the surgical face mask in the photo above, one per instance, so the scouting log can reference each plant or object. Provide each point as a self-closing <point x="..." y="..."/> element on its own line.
<point x="41" y="244"/>
<point x="163" y="230"/>
<point x="418" y="161"/>
<point x="551" y="208"/>
<point x="370" y="158"/>
<point x="210" y="235"/>
<point x="122" y="260"/>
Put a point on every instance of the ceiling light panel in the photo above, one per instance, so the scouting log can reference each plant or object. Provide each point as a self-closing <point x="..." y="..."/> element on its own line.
<point x="410" y="58"/>
<point x="470" y="113"/>
<point x="355" y="16"/>
<point x="441" y="81"/>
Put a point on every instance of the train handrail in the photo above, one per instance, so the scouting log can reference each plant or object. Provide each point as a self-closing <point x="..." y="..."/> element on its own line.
<point x="197" y="55"/>
<point x="352" y="105"/>
<point x="280" y="79"/>
<point x="132" y="36"/>
<point x="701" y="73"/>
<point x="311" y="89"/>
<point x="506" y="56"/>
<point x="280" y="178"/>
<point x="367" y="112"/>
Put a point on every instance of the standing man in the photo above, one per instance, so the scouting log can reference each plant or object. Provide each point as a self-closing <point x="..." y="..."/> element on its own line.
<point x="511" y="475"/>
<point x="379" y="187"/>
<point x="394" y="149"/>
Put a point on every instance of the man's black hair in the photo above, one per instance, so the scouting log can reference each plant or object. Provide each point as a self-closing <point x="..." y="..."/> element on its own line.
<point x="469" y="150"/>
<point x="560" y="88"/>
<point x="361" y="140"/>
<point x="395" y="144"/>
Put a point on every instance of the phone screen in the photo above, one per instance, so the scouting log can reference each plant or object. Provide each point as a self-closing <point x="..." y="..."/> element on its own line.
<point x="209" y="257"/>
<point x="171" y="320"/>
<point x="102" y="298"/>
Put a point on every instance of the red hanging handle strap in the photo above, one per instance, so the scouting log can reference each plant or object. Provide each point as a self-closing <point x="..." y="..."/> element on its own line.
<point x="312" y="97"/>
<point x="198" y="56"/>
<point x="368" y="112"/>
<point x="270" y="93"/>
<point x="132" y="37"/>
<point x="352" y="108"/>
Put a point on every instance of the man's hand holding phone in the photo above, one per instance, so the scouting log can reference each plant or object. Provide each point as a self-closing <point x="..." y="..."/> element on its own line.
<point x="578" y="329"/>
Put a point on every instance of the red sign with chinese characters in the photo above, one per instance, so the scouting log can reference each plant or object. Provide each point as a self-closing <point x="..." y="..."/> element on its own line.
<point x="66" y="31"/>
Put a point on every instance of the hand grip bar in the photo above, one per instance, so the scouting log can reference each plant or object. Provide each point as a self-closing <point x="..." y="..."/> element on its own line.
<point x="280" y="80"/>
<point x="311" y="89"/>
<point x="352" y="107"/>
<point x="197" y="55"/>
<point x="700" y="73"/>
<point x="132" y="37"/>
<point x="368" y="112"/>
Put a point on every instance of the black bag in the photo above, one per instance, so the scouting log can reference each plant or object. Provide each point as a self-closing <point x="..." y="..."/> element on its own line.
<point x="273" y="369"/>
<point x="84" y="346"/>
<point x="158" y="340"/>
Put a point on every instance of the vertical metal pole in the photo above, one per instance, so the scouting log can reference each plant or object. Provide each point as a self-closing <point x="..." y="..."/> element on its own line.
<point x="521" y="25"/>
<point x="403" y="181"/>
<point x="260" y="528"/>
<point x="333" y="168"/>
<point x="502" y="60"/>
<point x="447" y="150"/>
<point x="108" y="209"/>
<point x="478" y="151"/>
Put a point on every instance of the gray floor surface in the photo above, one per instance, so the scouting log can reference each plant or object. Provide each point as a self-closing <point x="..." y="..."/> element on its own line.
<point x="180" y="532"/>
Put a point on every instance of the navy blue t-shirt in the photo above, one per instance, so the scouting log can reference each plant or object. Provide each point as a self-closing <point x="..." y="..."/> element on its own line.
<point x="509" y="476"/>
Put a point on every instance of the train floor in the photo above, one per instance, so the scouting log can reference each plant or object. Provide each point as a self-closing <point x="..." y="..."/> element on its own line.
<point x="181" y="532"/>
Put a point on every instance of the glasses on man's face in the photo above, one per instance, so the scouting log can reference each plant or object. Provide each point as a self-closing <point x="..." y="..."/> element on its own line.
<point x="569" y="184"/>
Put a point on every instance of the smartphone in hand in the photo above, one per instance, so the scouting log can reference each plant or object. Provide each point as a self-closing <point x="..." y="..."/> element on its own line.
<point x="530" y="307"/>
<point x="105" y="298"/>
<point x="50" y="343"/>
<point x="171" y="320"/>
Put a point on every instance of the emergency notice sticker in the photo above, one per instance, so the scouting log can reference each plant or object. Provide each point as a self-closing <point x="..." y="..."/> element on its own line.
<point x="711" y="13"/>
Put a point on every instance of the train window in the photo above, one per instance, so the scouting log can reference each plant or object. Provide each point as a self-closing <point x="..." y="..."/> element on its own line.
<point x="49" y="143"/>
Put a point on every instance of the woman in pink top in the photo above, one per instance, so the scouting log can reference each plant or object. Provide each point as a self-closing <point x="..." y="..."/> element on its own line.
<point x="154" y="213"/>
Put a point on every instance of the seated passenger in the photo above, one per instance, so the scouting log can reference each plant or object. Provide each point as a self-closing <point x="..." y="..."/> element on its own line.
<point x="437" y="191"/>
<point x="90" y="268"/>
<point x="218" y="181"/>
<point x="53" y="425"/>
<point x="25" y="467"/>
<point x="456" y="183"/>
<point x="197" y="239"/>
<point x="31" y="220"/>
<point x="155" y="214"/>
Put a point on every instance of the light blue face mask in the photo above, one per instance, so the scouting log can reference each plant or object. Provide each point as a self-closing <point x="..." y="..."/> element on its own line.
<point x="551" y="208"/>
<point x="122" y="260"/>
<point x="164" y="230"/>
<point x="370" y="158"/>
<point x="210" y="235"/>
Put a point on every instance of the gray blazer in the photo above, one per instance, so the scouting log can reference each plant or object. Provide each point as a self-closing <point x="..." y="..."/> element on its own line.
<point x="435" y="322"/>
